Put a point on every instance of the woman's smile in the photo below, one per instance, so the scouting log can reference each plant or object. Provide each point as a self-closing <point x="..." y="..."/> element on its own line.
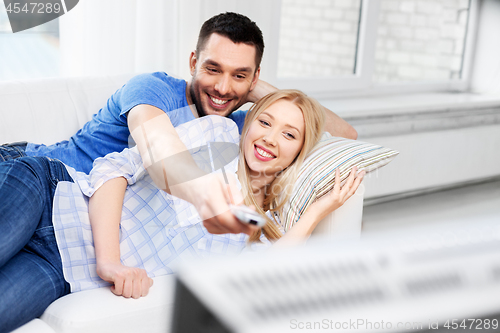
<point x="263" y="154"/>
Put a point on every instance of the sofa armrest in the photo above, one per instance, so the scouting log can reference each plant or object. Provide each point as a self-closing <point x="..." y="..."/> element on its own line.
<point x="345" y="221"/>
<point x="34" y="326"/>
<point x="100" y="311"/>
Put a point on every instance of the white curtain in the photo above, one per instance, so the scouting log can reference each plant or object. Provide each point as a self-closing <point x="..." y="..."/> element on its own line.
<point x="106" y="37"/>
<point x="486" y="65"/>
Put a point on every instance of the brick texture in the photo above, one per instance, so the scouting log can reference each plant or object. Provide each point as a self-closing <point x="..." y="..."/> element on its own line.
<point x="417" y="40"/>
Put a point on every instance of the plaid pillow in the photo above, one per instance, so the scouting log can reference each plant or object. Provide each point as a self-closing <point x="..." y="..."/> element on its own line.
<point x="316" y="176"/>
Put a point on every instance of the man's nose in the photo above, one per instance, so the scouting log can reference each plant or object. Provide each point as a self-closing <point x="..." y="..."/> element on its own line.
<point x="223" y="85"/>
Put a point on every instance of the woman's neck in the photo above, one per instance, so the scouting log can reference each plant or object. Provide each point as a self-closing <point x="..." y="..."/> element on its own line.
<point x="258" y="185"/>
<point x="259" y="196"/>
<point x="259" y="188"/>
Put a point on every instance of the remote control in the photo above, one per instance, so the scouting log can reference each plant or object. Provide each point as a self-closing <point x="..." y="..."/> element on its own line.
<point x="247" y="215"/>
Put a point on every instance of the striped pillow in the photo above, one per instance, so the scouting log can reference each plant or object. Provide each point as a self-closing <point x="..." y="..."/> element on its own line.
<point x="316" y="176"/>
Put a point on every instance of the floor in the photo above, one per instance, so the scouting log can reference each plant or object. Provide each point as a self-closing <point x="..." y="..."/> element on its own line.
<point x="468" y="204"/>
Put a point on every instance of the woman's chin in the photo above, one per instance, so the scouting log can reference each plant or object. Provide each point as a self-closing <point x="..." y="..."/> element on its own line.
<point x="257" y="169"/>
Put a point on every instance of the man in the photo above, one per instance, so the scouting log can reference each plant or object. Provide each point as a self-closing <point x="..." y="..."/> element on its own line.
<point x="225" y="71"/>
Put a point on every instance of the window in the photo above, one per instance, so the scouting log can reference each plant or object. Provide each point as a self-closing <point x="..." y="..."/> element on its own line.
<point x="420" y="40"/>
<point x="332" y="47"/>
<point x="33" y="53"/>
<point x="318" y="38"/>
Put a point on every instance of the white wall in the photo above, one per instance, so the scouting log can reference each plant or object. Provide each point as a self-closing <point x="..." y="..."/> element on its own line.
<point x="435" y="159"/>
<point x="119" y="36"/>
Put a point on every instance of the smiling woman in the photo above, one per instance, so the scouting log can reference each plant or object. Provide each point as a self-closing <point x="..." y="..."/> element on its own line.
<point x="279" y="131"/>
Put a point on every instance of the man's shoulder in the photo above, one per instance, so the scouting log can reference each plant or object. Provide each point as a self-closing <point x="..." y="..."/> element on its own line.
<point x="239" y="118"/>
<point x="157" y="78"/>
<point x="149" y="87"/>
<point x="238" y="115"/>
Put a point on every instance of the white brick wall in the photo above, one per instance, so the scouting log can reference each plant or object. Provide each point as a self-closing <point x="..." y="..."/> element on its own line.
<point x="325" y="45"/>
<point x="428" y="32"/>
<point x="417" y="39"/>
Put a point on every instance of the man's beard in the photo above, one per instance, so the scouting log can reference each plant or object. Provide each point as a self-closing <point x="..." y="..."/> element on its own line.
<point x="197" y="102"/>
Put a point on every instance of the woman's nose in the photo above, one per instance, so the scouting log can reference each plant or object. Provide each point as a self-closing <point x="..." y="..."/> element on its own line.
<point x="270" y="139"/>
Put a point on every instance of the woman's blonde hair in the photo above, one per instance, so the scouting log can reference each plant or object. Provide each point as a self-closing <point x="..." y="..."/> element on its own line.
<point x="278" y="192"/>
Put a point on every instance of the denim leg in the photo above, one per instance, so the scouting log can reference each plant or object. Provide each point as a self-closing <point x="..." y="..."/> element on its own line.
<point x="10" y="151"/>
<point x="31" y="274"/>
<point x="22" y="201"/>
<point x="28" y="284"/>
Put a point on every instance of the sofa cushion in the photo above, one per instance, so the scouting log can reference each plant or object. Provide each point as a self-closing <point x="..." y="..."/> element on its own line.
<point x="99" y="310"/>
<point x="50" y="110"/>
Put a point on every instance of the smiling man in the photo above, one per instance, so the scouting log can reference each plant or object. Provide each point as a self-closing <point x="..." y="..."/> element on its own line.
<point x="223" y="74"/>
<point x="225" y="69"/>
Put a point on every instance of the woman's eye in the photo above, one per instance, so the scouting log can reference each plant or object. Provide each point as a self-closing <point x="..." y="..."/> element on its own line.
<point x="263" y="122"/>
<point x="290" y="135"/>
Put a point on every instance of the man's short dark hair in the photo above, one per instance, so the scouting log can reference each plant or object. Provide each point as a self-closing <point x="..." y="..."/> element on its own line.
<point x="238" y="28"/>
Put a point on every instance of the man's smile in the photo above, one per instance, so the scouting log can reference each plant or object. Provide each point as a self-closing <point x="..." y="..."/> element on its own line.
<point x="218" y="103"/>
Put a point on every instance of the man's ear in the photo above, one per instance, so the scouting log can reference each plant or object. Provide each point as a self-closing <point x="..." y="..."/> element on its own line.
<point x="192" y="63"/>
<point x="255" y="79"/>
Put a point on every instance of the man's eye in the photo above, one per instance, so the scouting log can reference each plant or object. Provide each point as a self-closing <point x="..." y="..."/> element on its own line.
<point x="213" y="70"/>
<point x="240" y="76"/>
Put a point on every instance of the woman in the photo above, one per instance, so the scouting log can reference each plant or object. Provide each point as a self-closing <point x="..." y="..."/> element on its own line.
<point x="48" y="249"/>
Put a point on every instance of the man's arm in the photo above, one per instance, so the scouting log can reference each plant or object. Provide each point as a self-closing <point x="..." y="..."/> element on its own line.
<point x="173" y="170"/>
<point x="334" y="125"/>
<point x="337" y="126"/>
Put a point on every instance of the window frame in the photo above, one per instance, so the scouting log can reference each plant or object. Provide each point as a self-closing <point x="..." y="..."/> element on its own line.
<point x="361" y="82"/>
<point x="324" y="85"/>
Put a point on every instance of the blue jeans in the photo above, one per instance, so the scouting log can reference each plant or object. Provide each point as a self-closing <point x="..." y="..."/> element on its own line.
<point x="10" y="151"/>
<point x="31" y="275"/>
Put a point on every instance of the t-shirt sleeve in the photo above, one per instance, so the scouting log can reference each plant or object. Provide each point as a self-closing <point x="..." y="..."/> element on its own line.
<point x="239" y="118"/>
<point x="127" y="164"/>
<point x="147" y="89"/>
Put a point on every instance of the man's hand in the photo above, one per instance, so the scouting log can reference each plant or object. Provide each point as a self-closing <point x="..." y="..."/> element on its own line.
<point x="211" y="198"/>
<point x="261" y="89"/>
<point x="127" y="281"/>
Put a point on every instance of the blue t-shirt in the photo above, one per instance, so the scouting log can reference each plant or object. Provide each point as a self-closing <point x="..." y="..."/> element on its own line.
<point x="108" y="132"/>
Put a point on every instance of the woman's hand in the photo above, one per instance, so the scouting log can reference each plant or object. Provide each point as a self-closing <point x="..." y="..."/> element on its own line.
<point x="320" y="209"/>
<point x="128" y="281"/>
<point x="338" y="196"/>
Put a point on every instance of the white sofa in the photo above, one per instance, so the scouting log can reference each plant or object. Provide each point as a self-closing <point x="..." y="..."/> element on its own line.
<point x="50" y="110"/>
